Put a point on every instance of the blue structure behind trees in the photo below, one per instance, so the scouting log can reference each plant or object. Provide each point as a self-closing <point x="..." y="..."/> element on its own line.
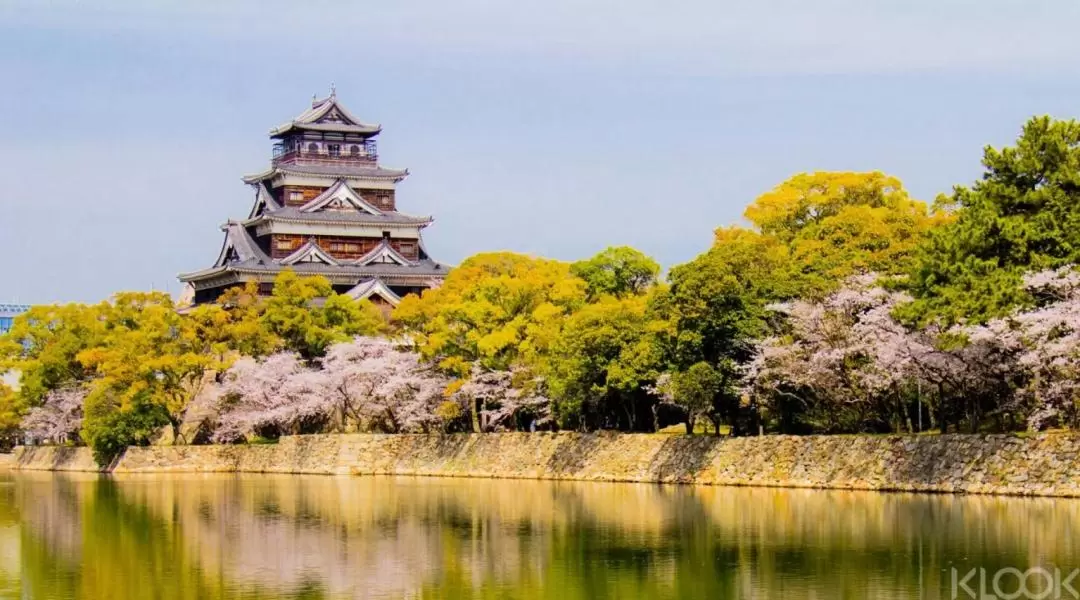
<point x="8" y="312"/>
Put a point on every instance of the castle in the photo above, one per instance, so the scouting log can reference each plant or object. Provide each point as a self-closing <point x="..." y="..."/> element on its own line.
<point x="324" y="207"/>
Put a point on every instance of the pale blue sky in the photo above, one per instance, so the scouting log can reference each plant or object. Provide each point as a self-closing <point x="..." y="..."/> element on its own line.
<point x="556" y="127"/>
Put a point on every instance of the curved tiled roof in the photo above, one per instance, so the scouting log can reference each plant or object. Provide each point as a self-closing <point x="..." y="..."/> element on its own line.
<point x="373" y="287"/>
<point x="290" y="213"/>
<point x="337" y="171"/>
<point x="241" y="253"/>
<point x="315" y="119"/>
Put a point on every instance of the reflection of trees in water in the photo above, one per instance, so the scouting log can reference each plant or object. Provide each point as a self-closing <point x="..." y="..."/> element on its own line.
<point x="378" y="537"/>
<point x="52" y="507"/>
<point x="127" y="550"/>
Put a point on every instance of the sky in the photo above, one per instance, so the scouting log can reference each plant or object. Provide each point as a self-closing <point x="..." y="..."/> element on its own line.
<point x="555" y="127"/>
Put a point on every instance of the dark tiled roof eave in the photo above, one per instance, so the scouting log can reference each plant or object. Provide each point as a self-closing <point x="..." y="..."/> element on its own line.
<point x="290" y="214"/>
<point x="342" y="171"/>
<point x="388" y="273"/>
<point x="368" y="130"/>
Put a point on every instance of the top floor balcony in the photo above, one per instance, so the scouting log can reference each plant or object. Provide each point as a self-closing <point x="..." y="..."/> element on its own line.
<point x="326" y="153"/>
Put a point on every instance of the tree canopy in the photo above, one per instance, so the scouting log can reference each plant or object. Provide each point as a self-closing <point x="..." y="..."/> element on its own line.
<point x="617" y="271"/>
<point x="496" y="309"/>
<point x="835" y="225"/>
<point x="1022" y="215"/>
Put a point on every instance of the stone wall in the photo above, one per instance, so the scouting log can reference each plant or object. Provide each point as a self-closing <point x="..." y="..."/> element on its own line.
<point x="53" y="458"/>
<point x="1046" y="464"/>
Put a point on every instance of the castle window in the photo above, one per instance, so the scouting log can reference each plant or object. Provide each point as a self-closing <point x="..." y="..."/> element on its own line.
<point x="335" y="150"/>
<point x="344" y="247"/>
<point x="296" y="196"/>
<point x="283" y="244"/>
<point x="313" y="148"/>
<point x="354" y="150"/>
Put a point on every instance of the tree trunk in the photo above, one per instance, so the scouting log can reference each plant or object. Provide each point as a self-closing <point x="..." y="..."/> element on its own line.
<point x="689" y="425"/>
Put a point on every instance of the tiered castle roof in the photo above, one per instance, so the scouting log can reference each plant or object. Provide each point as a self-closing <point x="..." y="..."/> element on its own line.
<point x="325" y="207"/>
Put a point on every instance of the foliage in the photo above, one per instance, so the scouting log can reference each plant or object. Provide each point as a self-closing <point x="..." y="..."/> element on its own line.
<point x="10" y="417"/>
<point x="151" y="361"/>
<point x="716" y="303"/>
<point x="1023" y="215"/>
<point x="717" y="306"/>
<point x="846" y="364"/>
<point x="43" y="344"/>
<point x="617" y="271"/>
<point x="835" y="225"/>
<point x="497" y="309"/>
<point x="308" y="316"/>
<point x="235" y="323"/>
<point x="837" y="356"/>
<point x="601" y="363"/>
<point x="696" y="390"/>
<point x="141" y="362"/>
<point x="368" y="383"/>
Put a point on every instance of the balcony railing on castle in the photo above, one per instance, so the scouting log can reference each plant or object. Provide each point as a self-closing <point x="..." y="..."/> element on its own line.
<point x="364" y="156"/>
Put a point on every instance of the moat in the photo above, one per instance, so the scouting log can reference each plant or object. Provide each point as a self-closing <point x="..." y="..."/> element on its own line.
<point x="280" y="536"/>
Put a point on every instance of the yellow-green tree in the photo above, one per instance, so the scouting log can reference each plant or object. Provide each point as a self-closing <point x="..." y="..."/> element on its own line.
<point x="308" y="315"/>
<point x="235" y="323"/>
<point x="43" y="343"/>
<point x="9" y="417"/>
<point x="838" y="224"/>
<point x="498" y="309"/>
<point x="149" y="365"/>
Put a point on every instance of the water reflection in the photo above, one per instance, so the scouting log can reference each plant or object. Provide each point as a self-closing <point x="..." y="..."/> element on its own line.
<point x="219" y="536"/>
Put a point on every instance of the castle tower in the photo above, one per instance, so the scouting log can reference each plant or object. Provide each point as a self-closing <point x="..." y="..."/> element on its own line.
<point x="324" y="207"/>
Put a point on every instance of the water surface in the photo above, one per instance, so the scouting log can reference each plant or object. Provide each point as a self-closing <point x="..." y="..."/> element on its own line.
<point x="264" y="536"/>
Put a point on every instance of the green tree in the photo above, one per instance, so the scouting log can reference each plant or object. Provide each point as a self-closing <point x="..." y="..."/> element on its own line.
<point x="1023" y="215"/>
<point x="308" y="315"/>
<point x="718" y="304"/>
<point x="601" y="363"/>
<point x="696" y="389"/>
<point x="619" y="271"/>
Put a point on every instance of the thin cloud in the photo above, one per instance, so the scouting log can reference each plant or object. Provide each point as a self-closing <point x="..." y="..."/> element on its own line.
<point x="780" y="36"/>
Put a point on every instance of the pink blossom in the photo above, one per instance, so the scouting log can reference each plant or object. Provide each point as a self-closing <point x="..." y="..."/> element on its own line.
<point x="500" y="401"/>
<point x="59" y="418"/>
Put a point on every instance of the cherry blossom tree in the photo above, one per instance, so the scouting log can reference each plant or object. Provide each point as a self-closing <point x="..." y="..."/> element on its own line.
<point x="1048" y="338"/>
<point x="837" y="357"/>
<point x="274" y="396"/>
<point x="382" y="387"/>
<point x="502" y="405"/>
<point x="847" y="351"/>
<point x="59" y="417"/>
